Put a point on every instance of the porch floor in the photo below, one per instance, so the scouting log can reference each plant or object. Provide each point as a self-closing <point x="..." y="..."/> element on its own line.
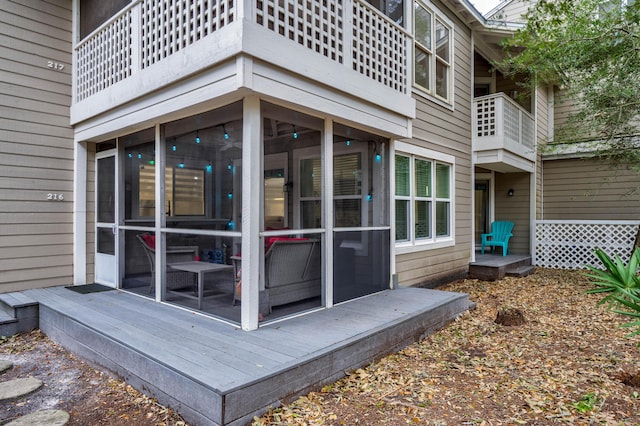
<point x="216" y="374"/>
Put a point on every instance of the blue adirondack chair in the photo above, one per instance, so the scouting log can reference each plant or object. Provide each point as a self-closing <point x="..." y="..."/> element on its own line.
<point x="499" y="236"/>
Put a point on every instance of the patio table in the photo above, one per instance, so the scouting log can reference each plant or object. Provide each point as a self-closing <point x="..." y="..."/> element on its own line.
<point x="199" y="268"/>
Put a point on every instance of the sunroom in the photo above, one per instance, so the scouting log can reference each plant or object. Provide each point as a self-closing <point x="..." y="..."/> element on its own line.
<point x="249" y="212"/>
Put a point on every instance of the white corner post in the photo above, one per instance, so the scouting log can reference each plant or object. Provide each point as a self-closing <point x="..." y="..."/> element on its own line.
<point x="160" y="272"/>
<point x="327" y="210"/>
<point x="251" y="204"/>
<point x="79" y="213"/>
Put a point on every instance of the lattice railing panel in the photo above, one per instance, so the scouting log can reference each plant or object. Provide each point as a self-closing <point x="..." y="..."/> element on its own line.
<point x="528" y="129"/>
<point x="314" y="24"/>
<point x="171" y="25"/>
<point x="379" y="48"/>
<point x="485" y="117"/>
<point x="571" y="245"/>
<point x="511" y="121"/>
<point x="105" y="58"/>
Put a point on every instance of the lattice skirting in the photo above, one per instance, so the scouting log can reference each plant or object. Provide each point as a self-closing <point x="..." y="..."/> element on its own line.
<point x="571" y="244"/>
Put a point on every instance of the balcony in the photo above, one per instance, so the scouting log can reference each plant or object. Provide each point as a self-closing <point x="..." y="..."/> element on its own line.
<point x="345" y="48"/>
<point x="503" y="136"/>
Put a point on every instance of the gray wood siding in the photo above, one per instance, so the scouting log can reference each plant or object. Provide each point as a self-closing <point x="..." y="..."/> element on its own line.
<point x="515" y="209"/>
<point x="36" y="145"/>
<point x="563" y="107"/>
<point x="542" y="132"/>
<point x="586" y="189"/>
<point x="512" y="11"/>
<point x="449" y="131"/>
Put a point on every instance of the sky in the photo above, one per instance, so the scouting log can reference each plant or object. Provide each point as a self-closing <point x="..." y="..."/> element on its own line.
<point x="485" y="5"/>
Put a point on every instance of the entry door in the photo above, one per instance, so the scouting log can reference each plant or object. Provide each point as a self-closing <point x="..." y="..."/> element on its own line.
<point x="106" y="226"/>
<point x="482" y="212"/>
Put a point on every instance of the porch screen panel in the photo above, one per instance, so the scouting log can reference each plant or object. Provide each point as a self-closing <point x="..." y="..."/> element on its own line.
<point x="361" y="263"/>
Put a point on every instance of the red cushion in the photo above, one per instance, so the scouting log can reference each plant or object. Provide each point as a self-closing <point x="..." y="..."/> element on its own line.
<point x="269" y="241"/>
<point x="149" y="240"/>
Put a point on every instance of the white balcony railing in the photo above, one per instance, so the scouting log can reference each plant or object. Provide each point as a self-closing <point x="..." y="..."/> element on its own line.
<point x="500" y="123"/>
<point x="348" y="32"/>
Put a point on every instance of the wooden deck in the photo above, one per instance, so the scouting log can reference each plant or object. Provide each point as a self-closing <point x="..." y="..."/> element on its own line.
<point x="215" y="374"/>
<point x="491" y="267"/>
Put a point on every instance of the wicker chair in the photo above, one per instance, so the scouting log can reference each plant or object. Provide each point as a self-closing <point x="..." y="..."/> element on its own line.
<point x="292" y="271"/>
<point x="175" y="279"/>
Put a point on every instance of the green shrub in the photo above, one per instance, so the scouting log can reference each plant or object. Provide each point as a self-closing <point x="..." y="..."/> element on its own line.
<point x="621" y="284"/>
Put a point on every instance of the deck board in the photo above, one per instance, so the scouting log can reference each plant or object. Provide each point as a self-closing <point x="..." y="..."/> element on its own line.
<point x="173" y="353"/>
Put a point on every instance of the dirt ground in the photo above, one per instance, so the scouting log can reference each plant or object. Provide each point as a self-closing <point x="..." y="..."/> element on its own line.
<point x="90" y="396"/>
<point x="569" y="363"/>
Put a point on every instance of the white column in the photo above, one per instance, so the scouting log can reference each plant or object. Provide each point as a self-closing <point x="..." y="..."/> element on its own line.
<point x="160" y="211"/>
<point x="327" y="210"/>
<point x="251" y="205"/>
<point x="80" y="213"/>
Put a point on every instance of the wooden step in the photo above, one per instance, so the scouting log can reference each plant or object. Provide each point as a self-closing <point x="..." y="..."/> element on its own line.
<point x="520" y="271"/>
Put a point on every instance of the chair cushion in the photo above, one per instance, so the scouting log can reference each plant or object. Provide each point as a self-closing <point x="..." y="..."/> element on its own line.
<point x="149" y="240"/>
<point x="270" y="240"/>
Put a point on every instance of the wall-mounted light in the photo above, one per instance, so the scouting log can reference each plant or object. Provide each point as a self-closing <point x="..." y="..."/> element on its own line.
<point x="181" y="164"/>
<point x="347" y="142"/>
<point x="230" y="195"/>
<point x="230" y="166"/>
<point x="139" y="155"/>
<point x="209" y="168"/>
<point x="369" y="196"/>
<point x="510" y="192"/>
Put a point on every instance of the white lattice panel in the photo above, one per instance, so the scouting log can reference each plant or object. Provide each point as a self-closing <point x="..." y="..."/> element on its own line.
<point x="105" y="58"/>
<point x="485" y="117"/>
<point x="379" y="48"/>
<point x="528" y="137"/>
<point x="511" y="120"/>
<point x="314" y="24"/>
<point x="571" y="245"/>
<point x="171" y="25"/>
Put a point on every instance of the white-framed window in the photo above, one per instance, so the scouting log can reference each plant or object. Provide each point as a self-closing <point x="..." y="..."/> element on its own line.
<point x="423" y="198"/>
<point x="433" y="51"/>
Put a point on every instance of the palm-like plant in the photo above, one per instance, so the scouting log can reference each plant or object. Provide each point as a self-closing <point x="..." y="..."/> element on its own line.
<point x="621" y="283"/>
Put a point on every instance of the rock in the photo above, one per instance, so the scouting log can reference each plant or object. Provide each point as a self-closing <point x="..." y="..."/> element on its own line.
<point x="510" y="317"/>
<point x="42" y="418"/>
<point x="18" y="387"/>
<point x="5" y="365"/>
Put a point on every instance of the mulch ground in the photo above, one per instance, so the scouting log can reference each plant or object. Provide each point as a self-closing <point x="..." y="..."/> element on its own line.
<point x="569" y="363"/>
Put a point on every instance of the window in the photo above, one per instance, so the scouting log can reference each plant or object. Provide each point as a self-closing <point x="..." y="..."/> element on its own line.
<point x="423" y="197"/>
<point x="432" y="52"/>
<point x="184" y="193"/>
<point x="391" y="8"/>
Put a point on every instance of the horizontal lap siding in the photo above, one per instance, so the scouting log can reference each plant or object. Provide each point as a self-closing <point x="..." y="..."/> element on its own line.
<point x="515" y="209"/>
<point x="579" y="189"/>
<point x="513" y="11"/>
<point x="36" y="145"/>
<point x="448" y="131"/>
